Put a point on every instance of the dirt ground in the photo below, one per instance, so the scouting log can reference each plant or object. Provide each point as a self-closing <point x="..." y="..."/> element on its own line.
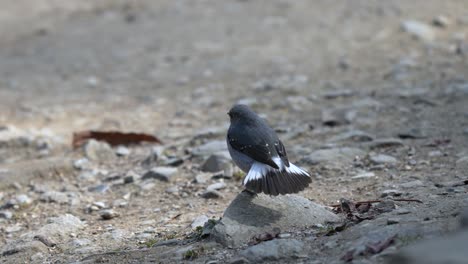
<point x="318" y="70"/>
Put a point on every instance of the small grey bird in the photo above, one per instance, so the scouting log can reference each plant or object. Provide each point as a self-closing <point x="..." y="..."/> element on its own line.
<point x="257" y="150"/>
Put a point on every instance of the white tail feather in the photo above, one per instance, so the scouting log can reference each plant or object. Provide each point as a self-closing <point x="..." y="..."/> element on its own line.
<point x="259" y="170"/>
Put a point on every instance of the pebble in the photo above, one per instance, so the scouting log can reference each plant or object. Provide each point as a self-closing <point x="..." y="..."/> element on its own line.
<point x="441" y="21"/>
<point x="98" y="151"/>
<point x="199" y="221"/>
<point x="174" y="162"/>
<point x="6" y="214"/>
<point x="274" y="250"/>
<point x="129" y="179"/>
<point x="338" y="93"/>
<point x="23" y="199"/>
<point x="402" y="211"/>
<point x="412" y="184"/>
<point x="101" y="188"/>
<point x="212" y="194"/>
<point x="435" y="153"/>
<point x="172" y="189"/>
<point x="108" y="214"/>
<point x="153" y="157"/>
<point x="160" y="173"/>
<point x="364" y="175"/>
<point x="383" y="159"/>
<point x="81" y="164"/>
<point x="54" y="197"/>
<point x="391" y="192"/>
<point x="13" y="229"/>
<point x="353" y="135"/>
<point x="122" y="151"/>
<point x="216" y="186"/>
<point x="419" y="30"/>
<point x="385" y="142"/>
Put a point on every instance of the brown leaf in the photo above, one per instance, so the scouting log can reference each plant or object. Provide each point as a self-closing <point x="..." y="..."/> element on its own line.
<point x="114" y="138"/>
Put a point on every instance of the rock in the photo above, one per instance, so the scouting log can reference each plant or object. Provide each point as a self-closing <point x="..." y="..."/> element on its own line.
<point x="338" y="93"/>
<point x="449" y="249"/>
<point x="249" y="215"/>
<point x="54" y="197"/>
<point x="210" y="148"/>
<point x="385" y="143"/>
<point x="462" y="163"/>
<point x="98" y="151"/>
<point x="412" y="133"/>
<point x="383" y="159"/>
<point x="6" y="214"/>
<point x="81" y="164"/>
<point x="353" y="135"/>
<point x="202" y="177"/>
<point x="160" y="173"/>
<point x="391" y="192"/>
<point x="363" y="175"/>
<point x="435" y="153"/>
<point x="173" y="162"/>
<point x="441" y="21"/>
<point x="199" y="221"/>
<point x="334" y="118"/>
<point x="216" y="186"/>
<point x="122" y="151"/>
<point x="274" y="250"/>
<point x="13" y="229"/>
<point x="129" y="179"/>
<point x="392" y="221"/>
<point x="212" y="194"/>
<point x="108" y="214"/>
<point x="101" y="188"/>
<point x="419" y="30"/>
<point x="156" y="153"/>
<point x="216" y="162"/>
<point x="172" y="189"/>
<point x="412" y="184"/>
<point x="334" y="155"/>
<point x="23" y="200"/>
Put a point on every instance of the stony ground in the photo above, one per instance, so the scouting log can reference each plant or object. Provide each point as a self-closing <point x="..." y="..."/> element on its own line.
<point x="370" y="96"/>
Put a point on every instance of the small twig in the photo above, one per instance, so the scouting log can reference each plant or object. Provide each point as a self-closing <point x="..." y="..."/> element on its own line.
<point x="379" y="201"/>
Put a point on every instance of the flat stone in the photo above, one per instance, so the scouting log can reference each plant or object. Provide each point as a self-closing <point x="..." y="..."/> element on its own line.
<point x="334" y="155"/>
<point x="249" y="215"/>
<point x="275" y="250"/>
<point x="383" y="159"/>
<point x="216" y="162"/>
<point x="160" y="173"/>
<point x="450" y="249"/>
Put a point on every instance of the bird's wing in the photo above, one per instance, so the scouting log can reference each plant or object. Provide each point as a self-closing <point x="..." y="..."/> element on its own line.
<point x="255" y="145"/>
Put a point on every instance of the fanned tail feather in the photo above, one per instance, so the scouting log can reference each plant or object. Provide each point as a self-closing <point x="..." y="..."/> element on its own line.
<point x="264" y="178"/>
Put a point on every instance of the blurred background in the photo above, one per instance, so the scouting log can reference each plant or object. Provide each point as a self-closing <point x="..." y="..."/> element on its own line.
<point x="326" y="74"/>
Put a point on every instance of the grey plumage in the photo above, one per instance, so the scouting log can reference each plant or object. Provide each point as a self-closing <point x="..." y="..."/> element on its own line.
<point x="257" y="150"/>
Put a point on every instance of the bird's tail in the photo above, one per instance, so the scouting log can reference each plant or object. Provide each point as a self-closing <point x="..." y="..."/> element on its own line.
<point x="264" y="178"/>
